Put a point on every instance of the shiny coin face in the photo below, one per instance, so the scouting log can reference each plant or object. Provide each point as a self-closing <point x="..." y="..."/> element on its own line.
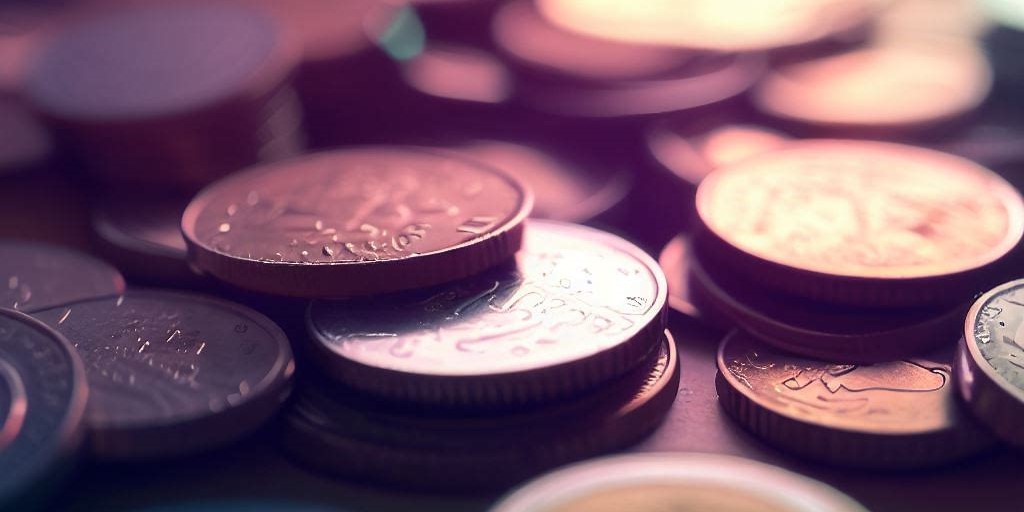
<point x="36" y="276"/>
<point x="863" y="210"/>
<point x="42" y="402"/>
<point x="356" y="221"/>
<point x="160" y="362"/>
<point x="678" y="481"/>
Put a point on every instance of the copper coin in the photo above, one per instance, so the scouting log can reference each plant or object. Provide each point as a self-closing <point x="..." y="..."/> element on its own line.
<point x="42" y="402"/>
<point x="459" y="73"/>
<point x="578" y="308"/>
<point x="356" y="221"/>
<point x="814" y="329"/>
<point x="353" y="437"/>
<point x="732" y="25"/>
<point x="895" y="85"/>
<point x="654" y="482"/>
<point x="141" y="233"/>
<point x="173" y="373"/>
<point x="893" y="415"/>
<point x="35" y="276"/>
<point x="990" y="361"/>
<point x="862" y="223"/>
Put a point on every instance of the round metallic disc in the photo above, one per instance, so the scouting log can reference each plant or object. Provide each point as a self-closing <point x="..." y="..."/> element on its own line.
<point x="894" y="415"/>
<point x="36" y="276"/>
<point x="355" y="437"/>
<point x="814" y="329"/>
<point x="174" y="373"/>
<point x="355" y="222"/>
<point x="656" y="482"/>
<point x="893" y="85"/>
<point x="42" y="403"/>
<point x="863" y="223"/>
<point x="577" y="308"/>
<point x="459" y="73"/>
<point x="674" y="260"/>
<point x="716" y="25"/>
<point x="990" y="361"/>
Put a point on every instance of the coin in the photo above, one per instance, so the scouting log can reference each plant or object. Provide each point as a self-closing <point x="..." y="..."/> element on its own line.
<point x="174" y="373"/>
<point x="889" y="88"/>
<point x="899" y="414"/>
<point x="42" y="401"/>
<point x="653" y="482"/>
<point x="36" y="276"/>
<point x="813" y="329"/>
<point x="578" y="308"/>
<point x="356" y="221"/>
<point x="458" y="73"/>
<point x="990" y="361"/>
<point x="862" y="223"/>
<point x="674" y="260"/>
<point x="355" y="437"/>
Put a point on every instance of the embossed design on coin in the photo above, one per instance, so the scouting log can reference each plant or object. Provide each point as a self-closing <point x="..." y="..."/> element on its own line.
<point x="327" y="218"/>
<point x="161" y="361"/>
<point x="576" y="295"/>
<point x="36" y="276"/>
<point x="863" y="209"/>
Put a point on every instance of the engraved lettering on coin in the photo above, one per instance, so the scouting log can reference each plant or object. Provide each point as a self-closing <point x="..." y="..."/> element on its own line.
<point x="999" y="334"/>
<point x="863" y="209"/>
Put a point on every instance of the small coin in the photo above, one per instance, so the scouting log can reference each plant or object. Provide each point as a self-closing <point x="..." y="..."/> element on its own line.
<point x="675" y="261"/>
<point x="896" y="86"/>
<point x="862" y="223"/>
<point x="578" y="308"/>
<point x="36" y="276"/>
<point x="42" y="402"/>
<point x="356" y="221"/>
<point x="458" y="73"/>
<point x="990" y="361"/>
<point x="330" y="431"/>
<point x="655" y="482"/>
<point x="893" y="415"/>
<point x="173" y="373"/>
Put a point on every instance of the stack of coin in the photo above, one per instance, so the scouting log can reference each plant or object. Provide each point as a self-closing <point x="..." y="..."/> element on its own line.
<point x="847" y="267"/>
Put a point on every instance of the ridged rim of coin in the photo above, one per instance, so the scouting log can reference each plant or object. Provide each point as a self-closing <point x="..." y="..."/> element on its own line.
<point x="65" y="264"/>
<point x="441" y="452"/>
<point x="994" y="401"/>
<point x="42" y="461"/>
<point x="376" y="359"/>
<point x="722" y="475"/>
<point x="821" y="331"/>
<point x="938" y="280"/>
<point x="223" y="422"/>
<point x="800" y="428"/>
<point x="493" y="240"/>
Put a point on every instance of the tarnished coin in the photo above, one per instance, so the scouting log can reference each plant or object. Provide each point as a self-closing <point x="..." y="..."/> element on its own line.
<point x="893" y="415"/>
<point x="862" y="223"/>
<point x="356" y="221"/>
<point x="36" y="276"/>
<point x="893" y="86"/>
<point x="657" y="482"/>
<point x="356" y="437"/>
<point x="578" y="308"/>
<point x="990" y="361"/>
<point x="173" y="373"/>
<point x="42" y="402"/>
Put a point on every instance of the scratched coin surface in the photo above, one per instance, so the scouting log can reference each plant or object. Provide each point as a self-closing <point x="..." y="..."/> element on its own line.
<point x="662" y="482"/>
<point x="990" y="360"/>
<point x="37" y="276"/>
<point x="356" y="221"/>
<point x="577" y="308"/>
<point x="896" y="414"/>
<point x="42" y="404"/>
<point x="173" y="373"/>
<point x="876" y="221"/>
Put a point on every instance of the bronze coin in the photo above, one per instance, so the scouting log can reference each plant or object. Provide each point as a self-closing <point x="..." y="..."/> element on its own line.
<point x="36" y="276"/>
<point x="990" y="361"/>
<point x="893" y="415"/>
<point x="578" y="308"/>
<point x="862" y="223"/>
<point x="355" y="222"/>
<point x="174" y="373"/>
